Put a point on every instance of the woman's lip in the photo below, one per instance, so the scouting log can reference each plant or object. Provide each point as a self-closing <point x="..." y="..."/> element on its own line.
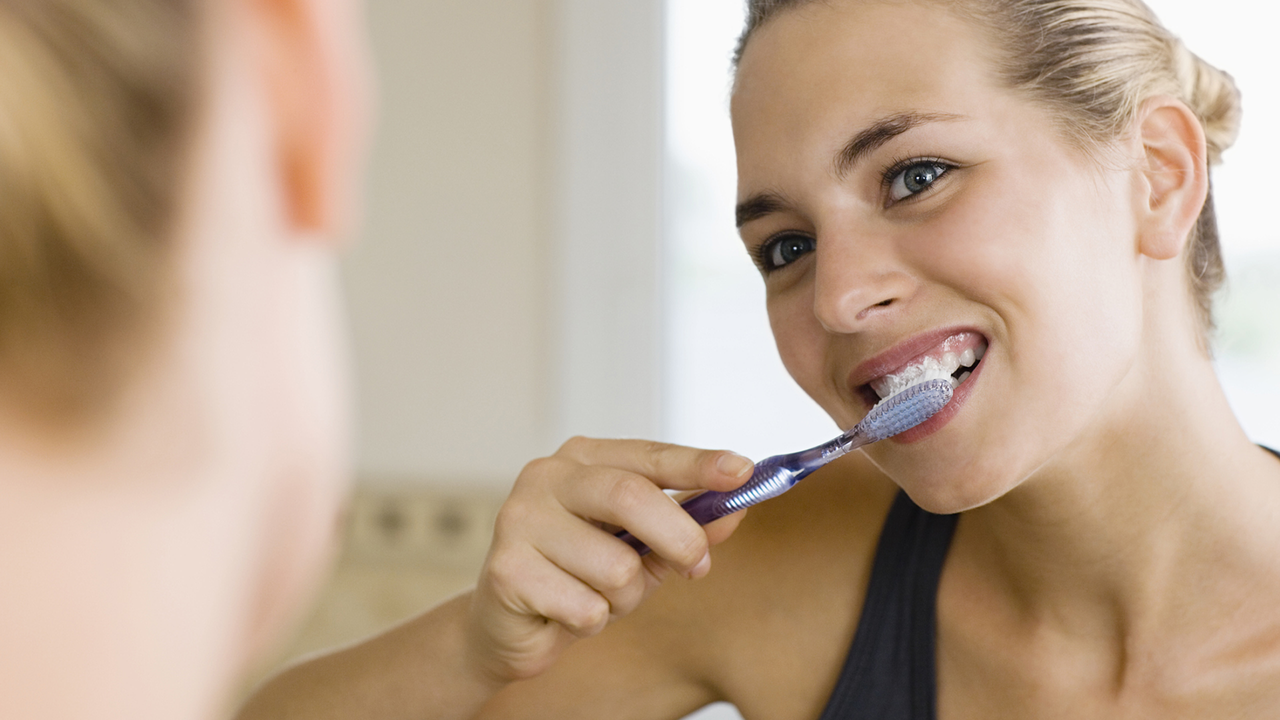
<point x="903" y="353"/>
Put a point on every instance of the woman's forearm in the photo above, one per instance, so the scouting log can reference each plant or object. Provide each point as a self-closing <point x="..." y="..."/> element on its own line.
<point x="414" y="671"/>
<point x="552" y="577"/>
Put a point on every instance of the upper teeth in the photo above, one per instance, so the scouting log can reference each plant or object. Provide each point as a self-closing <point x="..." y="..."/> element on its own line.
<point x="929" y="368"/>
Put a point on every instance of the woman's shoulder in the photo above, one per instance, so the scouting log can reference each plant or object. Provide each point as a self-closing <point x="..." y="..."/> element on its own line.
<point x="779" y="609"/>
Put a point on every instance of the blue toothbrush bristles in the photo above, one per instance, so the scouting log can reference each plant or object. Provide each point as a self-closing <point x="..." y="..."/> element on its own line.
<point x="905" y="410"/>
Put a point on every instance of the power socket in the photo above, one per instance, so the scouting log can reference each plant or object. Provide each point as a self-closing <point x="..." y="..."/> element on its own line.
<point x="411" y="525"/>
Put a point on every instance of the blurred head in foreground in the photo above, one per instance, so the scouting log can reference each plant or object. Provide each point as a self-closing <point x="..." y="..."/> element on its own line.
<point x="175" y="178"/>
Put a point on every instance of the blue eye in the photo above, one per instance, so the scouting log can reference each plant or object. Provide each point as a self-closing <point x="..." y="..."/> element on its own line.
<point x="784" y="250"/>
<point x="915" y="178"/>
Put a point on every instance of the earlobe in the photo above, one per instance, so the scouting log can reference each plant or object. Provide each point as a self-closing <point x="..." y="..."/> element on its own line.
<point x="1176" y="176"/>
<point x="313" y="75"/>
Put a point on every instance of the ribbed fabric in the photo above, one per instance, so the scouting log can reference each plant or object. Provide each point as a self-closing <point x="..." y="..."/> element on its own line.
<point x="889" y="674"/>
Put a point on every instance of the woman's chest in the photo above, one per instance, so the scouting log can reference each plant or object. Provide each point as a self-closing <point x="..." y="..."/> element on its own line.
<point x="991" y="663"/>
<point x="972" y="688"/>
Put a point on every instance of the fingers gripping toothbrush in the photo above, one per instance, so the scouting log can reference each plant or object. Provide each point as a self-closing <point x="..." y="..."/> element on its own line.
<point x="778" y="474"/>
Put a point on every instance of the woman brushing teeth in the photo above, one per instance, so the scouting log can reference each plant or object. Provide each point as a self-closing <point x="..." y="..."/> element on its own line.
<point x="1013" y="194"/>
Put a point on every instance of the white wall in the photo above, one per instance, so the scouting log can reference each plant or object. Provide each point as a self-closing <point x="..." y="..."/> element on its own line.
<point x="608" y="229"/>
<point x="504" y="294"/>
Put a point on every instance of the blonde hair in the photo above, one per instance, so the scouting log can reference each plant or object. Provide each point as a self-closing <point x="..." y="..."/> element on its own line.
<point x="95" y="99"/>
<point x="1094" y="62"/>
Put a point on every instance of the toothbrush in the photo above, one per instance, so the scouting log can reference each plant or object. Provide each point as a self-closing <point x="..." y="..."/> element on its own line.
<point x="778" y="474"/>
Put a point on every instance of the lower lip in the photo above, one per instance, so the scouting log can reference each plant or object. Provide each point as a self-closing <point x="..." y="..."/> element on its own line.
<point x="943" y="416"/>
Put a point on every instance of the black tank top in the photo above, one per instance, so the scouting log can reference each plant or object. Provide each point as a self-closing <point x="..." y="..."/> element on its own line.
<point x="890" y="671"/>
<point x="889" y="674"/>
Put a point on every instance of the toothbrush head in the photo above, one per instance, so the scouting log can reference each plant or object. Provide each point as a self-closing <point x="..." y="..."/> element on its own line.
<point x="904" y="411"/>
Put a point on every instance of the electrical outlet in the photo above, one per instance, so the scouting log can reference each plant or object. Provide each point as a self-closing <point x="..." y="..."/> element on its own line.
<point x="420" y="526"/>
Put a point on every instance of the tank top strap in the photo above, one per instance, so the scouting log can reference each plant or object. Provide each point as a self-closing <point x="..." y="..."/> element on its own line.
<point x="890" y="671"/>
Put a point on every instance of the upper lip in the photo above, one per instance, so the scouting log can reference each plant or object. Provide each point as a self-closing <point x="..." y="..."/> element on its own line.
<point x="902" y="354"/>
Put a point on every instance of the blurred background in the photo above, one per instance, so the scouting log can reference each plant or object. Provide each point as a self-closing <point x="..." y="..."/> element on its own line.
<point x="549" y="250"/>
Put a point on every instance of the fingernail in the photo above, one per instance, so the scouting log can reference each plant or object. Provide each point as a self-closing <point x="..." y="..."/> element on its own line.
<point x="734" y="464"/>
<point x="702" y="568"/>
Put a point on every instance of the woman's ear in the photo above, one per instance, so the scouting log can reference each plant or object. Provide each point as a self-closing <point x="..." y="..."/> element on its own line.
<point x="1176" y="176"/>
<point x="311" y="57"/>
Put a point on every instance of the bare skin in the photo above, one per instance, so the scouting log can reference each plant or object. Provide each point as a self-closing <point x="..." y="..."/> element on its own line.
<point x="1116" y="554"/>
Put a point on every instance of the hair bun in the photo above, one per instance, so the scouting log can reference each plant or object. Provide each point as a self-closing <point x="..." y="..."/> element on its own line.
<point x="1213" y="96"/>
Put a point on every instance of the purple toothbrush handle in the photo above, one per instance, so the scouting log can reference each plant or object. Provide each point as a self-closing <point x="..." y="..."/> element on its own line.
<point x="772" y="477"/>
<point x="775" y="475"/>
<point x="703" y="507"/>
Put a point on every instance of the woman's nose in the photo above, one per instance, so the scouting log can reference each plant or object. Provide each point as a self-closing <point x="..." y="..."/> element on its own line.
<point x="859" y="283"/>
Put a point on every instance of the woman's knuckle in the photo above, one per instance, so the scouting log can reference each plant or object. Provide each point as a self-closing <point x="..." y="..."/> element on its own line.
<point x="663" y="456"/>
<point x="575" y="446"/>
<point x="503" y="571"/>
<point x="654" y="448"/>
<point x="628" y="494"/>
<point x="540" y="473"/>
<point x="590" y="617"/>
<point x="535" y="468"/>
<point x="620" y="573"/>
<point x="511" y="518"/>
<point x="691" y="548"/>
<point x="625" y="603"/>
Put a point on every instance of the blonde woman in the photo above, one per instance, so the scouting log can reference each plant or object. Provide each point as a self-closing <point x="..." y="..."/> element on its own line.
<point x="1084" y="531"/>
<point x="175" y="176"/>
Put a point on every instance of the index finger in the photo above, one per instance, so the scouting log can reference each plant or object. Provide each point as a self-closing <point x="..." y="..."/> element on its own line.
<point x="671" y="467"/>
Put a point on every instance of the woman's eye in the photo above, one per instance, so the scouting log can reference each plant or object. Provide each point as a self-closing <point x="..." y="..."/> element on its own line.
<point x="784" y="250"/>
<point x="915" y="178"/>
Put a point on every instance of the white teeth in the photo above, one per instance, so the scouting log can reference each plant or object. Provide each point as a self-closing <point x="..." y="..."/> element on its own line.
<point x="927" y="369"/>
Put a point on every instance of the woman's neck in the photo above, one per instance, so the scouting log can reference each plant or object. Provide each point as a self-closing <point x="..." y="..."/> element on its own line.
<point x="1165" y="513"/>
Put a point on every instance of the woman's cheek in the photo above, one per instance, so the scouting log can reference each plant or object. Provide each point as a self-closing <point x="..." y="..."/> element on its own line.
<point x="802" y="345"/>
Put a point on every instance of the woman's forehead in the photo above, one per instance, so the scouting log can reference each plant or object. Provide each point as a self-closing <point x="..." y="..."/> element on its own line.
<point x="816" y="73"/>
<point x="880" y="49"/>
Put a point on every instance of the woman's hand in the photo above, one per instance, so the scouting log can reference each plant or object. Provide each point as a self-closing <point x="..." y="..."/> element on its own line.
<point x="555" y="571"/>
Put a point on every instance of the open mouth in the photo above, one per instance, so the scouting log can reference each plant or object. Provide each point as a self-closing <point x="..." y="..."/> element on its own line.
<point x="954" y="359"/>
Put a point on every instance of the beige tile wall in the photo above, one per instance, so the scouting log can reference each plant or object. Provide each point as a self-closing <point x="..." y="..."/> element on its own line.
<point x="405" y="549"/>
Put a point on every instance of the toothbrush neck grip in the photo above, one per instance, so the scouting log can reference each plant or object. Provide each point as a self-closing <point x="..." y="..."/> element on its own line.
<point x="771" y="477"/>
<point x="711" y="505"/>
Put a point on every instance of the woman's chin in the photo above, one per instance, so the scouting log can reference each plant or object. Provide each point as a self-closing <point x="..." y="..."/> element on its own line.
<point x="945" y="491"/>
<point x="951" y="498"/>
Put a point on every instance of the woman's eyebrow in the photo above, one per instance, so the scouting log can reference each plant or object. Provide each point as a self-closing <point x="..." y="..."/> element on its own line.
<point x="858" y="147"/>
<point x="881" y="132"/>
<point x="757" y="206"/>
